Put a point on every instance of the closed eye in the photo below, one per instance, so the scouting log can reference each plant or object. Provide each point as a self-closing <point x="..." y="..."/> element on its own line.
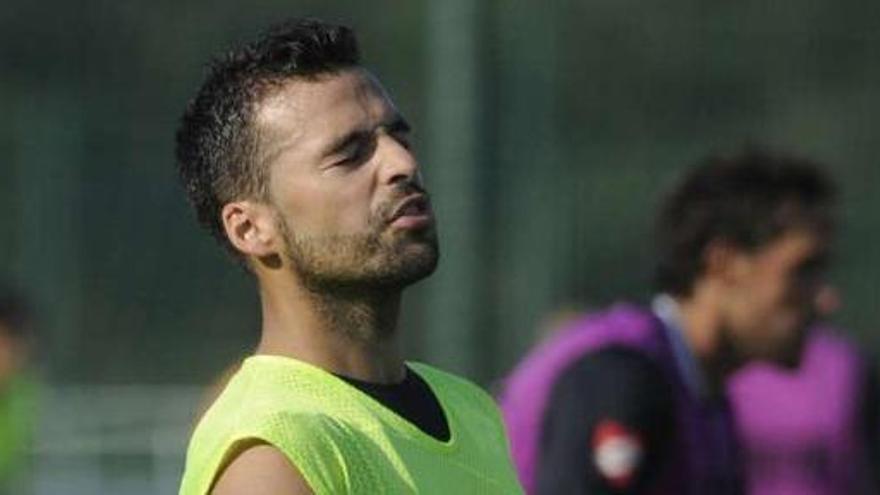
<point x="356" y="151"/>
<point x="357" y="146"/>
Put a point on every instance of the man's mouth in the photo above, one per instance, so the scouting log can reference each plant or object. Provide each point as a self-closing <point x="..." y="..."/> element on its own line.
<point x="414" y="212"/>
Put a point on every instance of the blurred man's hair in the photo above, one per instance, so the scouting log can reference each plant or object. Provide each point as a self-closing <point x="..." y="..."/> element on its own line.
<point x="16" y="313"/>
<point x="218" y="147"/>
<point x="747" y="200"/>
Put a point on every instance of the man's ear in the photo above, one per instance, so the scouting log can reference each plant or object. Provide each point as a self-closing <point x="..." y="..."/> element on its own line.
<point x="726" y="262"/>
<point x="251" y="227"/>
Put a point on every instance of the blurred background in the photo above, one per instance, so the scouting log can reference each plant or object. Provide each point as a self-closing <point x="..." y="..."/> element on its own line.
<point x="547" y="132"/>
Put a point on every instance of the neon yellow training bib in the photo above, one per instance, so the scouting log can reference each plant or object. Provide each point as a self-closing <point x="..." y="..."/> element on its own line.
<point x="345" y="442"/>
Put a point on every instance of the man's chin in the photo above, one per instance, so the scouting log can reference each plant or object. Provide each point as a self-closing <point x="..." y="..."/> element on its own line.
<point x="387" y="262"/>
<point x="417" y="263"/>
<point x="790" y="360"/>
<point x="398" y="267"/>
<point x="414" y="248"/>
<point x="789" y="356"/>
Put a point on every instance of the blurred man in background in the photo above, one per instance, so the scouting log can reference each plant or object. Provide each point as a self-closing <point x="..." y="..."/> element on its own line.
<point x="296" y="159"/>
<point x="18" y="388"/>
<point x="814" y="430"/>
<point x="632" y="400"/>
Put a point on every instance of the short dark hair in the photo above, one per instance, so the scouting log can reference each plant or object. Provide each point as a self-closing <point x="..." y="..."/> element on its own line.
<point x="747" y="199"/>
<point x="218" y="147"/>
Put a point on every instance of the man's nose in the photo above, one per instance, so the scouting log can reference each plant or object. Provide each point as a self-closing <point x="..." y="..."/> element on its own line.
<point x="826" y="300"/>
<point x="398" y="164"/>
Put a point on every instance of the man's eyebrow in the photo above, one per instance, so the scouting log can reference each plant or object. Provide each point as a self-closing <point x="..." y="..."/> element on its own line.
<point x="395" y="124"/>
<point x="340" y="143"/>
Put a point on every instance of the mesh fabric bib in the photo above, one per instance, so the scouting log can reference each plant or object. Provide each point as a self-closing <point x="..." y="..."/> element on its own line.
<point x="344" y="442"/>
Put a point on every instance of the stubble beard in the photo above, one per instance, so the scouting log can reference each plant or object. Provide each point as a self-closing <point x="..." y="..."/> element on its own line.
<point x="361" y="262"/>
<point x="356" y="280"/>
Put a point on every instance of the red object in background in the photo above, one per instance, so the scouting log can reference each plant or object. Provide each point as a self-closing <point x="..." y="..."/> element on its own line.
<point x="617" y="453"/>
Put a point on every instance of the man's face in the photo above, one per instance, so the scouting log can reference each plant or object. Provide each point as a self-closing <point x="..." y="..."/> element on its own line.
<point x="345" y="185"/>
<point x="774" y="295"/>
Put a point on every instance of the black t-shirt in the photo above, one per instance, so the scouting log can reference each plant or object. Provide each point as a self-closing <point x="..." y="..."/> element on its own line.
<point x="412" y="399"/>
<point x="607" y="427"/>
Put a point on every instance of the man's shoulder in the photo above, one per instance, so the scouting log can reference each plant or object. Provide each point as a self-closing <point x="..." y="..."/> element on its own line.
<point x="449" y="386"/>
<point x="617" y="368"/>
<point x="622" y="325"/>
<point x="251" y="406"/>
<point x="232" y="425"/>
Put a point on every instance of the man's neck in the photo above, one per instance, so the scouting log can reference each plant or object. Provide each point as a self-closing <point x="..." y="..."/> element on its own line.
<point x="702" y="330"/>
<point x="350" y="333"/>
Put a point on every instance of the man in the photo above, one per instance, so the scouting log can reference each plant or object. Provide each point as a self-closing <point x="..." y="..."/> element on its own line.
<point x="19" y="388"/>
<point x="295" y="158"/>
<point x="812" y="430"/>
<point x="631" y="401"/>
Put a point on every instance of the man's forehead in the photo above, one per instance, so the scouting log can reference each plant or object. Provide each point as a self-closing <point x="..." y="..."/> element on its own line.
<point x="300" y="104"/>
<point x="798" y="241"/>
